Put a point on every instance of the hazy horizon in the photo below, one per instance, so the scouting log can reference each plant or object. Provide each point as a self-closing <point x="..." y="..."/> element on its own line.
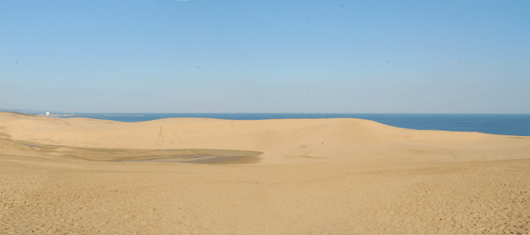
<point x="33" y="111"/>
<point x="266" y="57"/>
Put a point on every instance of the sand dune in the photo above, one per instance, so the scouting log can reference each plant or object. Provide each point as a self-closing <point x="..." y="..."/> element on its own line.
<point x="308" y="176"/>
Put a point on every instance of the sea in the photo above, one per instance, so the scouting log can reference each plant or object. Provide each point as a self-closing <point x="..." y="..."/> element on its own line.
<point x="500" y="124"/>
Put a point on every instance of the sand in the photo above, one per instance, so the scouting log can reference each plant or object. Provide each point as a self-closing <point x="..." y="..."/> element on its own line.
<point x="306" y="176"/>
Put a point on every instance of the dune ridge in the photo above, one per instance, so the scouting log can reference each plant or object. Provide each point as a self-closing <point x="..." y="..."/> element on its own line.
<point x="330" y="176"/>
<point x="279" y="140"/>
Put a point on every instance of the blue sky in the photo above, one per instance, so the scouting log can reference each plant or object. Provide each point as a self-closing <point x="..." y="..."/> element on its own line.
<point x="266" y="56"/>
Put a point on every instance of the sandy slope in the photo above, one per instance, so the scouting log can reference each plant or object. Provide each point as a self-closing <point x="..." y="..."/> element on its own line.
<point x="331" y="176"/>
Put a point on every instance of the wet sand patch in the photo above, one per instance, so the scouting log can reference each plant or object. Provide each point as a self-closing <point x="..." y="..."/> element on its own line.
<point x="208" y="156"/>
<point x="199" y="156"/>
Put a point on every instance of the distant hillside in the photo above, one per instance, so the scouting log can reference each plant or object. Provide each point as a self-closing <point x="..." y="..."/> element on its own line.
<point x="29" y="111"/>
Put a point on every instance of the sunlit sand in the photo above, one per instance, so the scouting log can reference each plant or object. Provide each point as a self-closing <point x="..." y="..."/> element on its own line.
<point x="209" y="176"/>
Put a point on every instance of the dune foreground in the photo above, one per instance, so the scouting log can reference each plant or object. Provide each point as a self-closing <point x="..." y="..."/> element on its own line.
<point x="308" y="176"/>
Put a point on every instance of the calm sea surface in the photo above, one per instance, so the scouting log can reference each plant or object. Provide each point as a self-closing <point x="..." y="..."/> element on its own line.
<point x="502" y="124"/>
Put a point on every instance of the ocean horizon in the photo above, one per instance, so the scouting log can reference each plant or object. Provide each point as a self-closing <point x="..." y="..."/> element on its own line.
<point x="500" y="124"/>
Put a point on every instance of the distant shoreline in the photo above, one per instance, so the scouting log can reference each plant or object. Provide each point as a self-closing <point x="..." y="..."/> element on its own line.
<point x="499" y="124"/>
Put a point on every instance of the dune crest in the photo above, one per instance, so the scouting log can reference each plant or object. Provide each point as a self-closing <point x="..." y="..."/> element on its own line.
<point x="281" y="141"/>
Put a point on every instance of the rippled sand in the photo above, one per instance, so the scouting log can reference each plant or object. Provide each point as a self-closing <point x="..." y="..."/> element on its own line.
<point x="324" y="176"/>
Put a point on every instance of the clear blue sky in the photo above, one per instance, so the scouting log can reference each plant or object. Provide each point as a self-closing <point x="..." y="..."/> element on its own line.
<point x="266" y="56"/>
